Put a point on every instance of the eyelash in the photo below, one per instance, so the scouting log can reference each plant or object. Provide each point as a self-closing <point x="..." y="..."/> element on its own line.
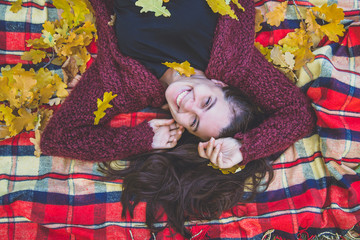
<point x="207" y="102"/>
<point x="193" y="123"/>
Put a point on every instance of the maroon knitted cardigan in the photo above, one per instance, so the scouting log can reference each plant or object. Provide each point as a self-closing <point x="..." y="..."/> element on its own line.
<point x="234" y="60"/>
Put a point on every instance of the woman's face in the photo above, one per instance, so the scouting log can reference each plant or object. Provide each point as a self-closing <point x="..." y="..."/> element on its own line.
<point x="199" y="105"/>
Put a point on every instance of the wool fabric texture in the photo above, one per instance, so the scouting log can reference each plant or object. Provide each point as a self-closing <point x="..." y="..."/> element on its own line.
<point x="234" y="60"/>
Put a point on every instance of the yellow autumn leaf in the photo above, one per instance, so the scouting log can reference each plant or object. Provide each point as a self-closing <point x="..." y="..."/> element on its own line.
<point x="264" y="50"/>
<point x="331" y="16"/>
<point x="26" y="120"/>
<point x="67" y="14"/>
<point x="80" y="10"/>
<point x="155" y="6"/>
<point x="182" y="68"/>
<point x="221" y="7"/>
<point x="277" y="56"/>
<point x="4" y="88"/>
<point x="259" y="18"/>
<point x="102" y="105"/>
<point x="36" y="56"/>
<point x="299" y="44"/>
<point x="36" y="142"/>
<point x="234" y="169"/>
<point x="37" y="43"/>
<point x="276" y="16"/>
<point x="4" y="132"/>
<point x="313" y="28"/>
<point x="6" y="114"/>
<point x="290" y="60"/>
<point x="16" y="6"/>
<point x="236" y="2"/>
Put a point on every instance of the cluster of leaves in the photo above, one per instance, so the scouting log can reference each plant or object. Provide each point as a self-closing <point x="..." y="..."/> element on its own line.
<point x="295" y="50"/>
<point x="218" y="6"/>
<point x="67" y="37"/>
<point x="21" y="95"/>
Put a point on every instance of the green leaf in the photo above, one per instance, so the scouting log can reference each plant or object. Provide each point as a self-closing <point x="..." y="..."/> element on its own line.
<point x="155" y="6"/>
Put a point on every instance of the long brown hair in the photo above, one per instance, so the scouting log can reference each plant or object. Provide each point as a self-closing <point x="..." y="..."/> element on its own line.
<point x="180" y="184"/>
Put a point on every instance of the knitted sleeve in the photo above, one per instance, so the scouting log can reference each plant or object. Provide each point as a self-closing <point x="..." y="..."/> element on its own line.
<point x="236" y="61"/>
<point x="71" y="131"/>
<point x="290" y="115"/>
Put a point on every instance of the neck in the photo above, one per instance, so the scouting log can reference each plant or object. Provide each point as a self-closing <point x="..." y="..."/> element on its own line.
<point x="172" y="75"/>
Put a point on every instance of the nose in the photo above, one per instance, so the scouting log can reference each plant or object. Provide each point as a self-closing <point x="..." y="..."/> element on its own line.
<point x="191" y="106"/>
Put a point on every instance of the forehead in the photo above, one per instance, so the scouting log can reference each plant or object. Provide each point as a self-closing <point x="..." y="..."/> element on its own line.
<point x="213" y="121"/>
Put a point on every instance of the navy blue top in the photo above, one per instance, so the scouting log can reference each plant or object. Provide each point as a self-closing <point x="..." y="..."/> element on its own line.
<point x="184" y="36"/>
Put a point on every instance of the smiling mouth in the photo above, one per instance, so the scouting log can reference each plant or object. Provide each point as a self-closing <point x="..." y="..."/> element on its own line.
<point x="181" y="96"/>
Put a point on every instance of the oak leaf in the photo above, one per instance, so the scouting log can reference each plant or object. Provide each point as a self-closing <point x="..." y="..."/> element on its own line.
<point x="221" y="7"/>
<point x="36" y="56"/>
<point x="234" y="169"/>
<point x="278" y="57"/>
<point x="36" y="142"/>
<point x="331" y="16"/>
<point x="26" y="120"/>
<point x="6" y="114"/>
<point x="276" y="16"/>
<point x="259" y="18"/>
<point x="16" y="6"/>
<point x="155" y="6"/>
<point x="299" y="44"/>
<point x="182" y="68"/>
<point x="102" y="105"/>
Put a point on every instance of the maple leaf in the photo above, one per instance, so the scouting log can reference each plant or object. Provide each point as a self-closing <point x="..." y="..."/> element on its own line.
<point x="16" y="6"/>
<point x="221" y="7"/>
<point x="275" y="17"/>
<point x="182" y="68"/>
<point x="36" y="56"/>
<point x="102" y="105"/>
<point x="259" y="18"/>
<point x="155" y="6"/>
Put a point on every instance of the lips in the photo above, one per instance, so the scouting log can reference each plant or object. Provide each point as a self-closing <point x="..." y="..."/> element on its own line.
<point x="181" y="96"/>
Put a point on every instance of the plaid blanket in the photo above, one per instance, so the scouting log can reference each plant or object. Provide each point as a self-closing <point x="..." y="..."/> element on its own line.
<point x="315" y="190"/>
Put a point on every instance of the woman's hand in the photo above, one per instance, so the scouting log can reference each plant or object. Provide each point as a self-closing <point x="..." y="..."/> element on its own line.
<point x="223" y="152"/>
<point x="167" y="133"/>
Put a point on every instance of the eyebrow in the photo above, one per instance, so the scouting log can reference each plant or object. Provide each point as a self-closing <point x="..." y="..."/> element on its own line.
<point x="207" y="109"/>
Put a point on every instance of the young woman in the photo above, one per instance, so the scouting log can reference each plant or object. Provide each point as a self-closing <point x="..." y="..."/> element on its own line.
<point x="129" y="64"/>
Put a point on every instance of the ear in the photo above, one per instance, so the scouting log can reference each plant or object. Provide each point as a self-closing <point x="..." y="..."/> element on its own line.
<point x="219" y="83"/>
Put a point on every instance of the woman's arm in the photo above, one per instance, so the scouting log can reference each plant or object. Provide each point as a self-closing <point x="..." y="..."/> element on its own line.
<point x="290" y="115"/>
<point x="236" y="61"/>
<point x="71" y="131"/>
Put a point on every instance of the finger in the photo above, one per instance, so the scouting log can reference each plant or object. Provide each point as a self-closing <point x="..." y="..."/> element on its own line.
<point x="210" y="147"/>
<point x="201" y="150"/>
<point x="171" y="144"/>
<point x="164" y="122"/>
<point x="215" y="155"/>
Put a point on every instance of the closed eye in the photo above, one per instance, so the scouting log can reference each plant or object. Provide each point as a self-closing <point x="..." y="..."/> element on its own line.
<point x="193" y="123"/>
<point x="208" y="101"/>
